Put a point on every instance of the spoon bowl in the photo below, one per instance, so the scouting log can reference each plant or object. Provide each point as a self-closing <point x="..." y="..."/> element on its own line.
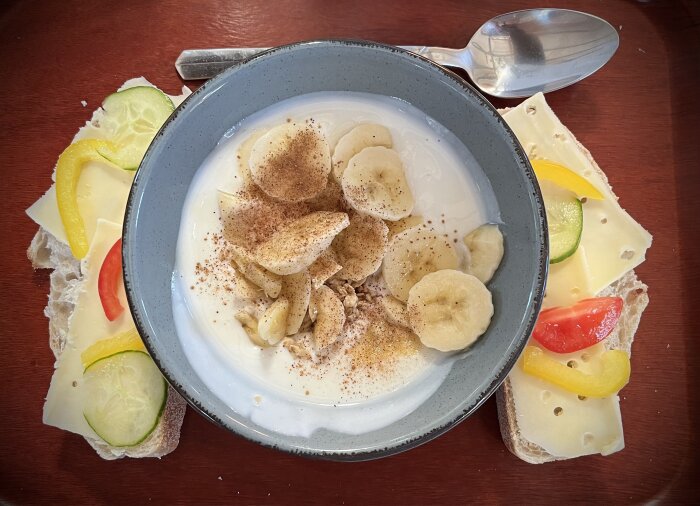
<point x="524" y="52"/>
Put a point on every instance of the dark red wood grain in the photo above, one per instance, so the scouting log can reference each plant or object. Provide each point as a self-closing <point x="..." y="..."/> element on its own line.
<point x="639" y="116"/>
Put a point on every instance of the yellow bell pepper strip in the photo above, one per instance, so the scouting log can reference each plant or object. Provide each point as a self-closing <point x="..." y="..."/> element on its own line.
<point x="68" y="170"/>
<point x="566" y="178"/>
<point x="614" y="374"/>
<point x="126" y="341"/>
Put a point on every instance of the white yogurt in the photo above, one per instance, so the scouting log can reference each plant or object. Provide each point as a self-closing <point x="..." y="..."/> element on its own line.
<point x="450" y="191"/>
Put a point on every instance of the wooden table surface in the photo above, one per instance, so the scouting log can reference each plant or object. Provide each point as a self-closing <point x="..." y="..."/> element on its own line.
<point x="639" y="116"/>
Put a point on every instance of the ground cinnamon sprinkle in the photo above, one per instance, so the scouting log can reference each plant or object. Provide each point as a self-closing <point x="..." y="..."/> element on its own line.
<point x="330" y="199"/>
<point x="304" y="164"/>
<point x="217" y="276"/>
<point x="211" y="275"/>
<point x="250" y="217"/>
<point x="382" y="344"/>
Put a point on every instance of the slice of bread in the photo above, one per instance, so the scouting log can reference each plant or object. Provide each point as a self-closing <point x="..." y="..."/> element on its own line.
<point x="634" y="294"/>
<point x="46" y="252"/>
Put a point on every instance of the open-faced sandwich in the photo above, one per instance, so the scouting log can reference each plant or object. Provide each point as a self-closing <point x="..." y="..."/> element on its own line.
<point x="105" y="386"/>
<point x="561" y="401"/>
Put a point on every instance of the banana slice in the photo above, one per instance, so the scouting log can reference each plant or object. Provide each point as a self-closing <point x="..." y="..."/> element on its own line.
<point x="361" y="137"/>
<point x="374" y="183"/>
<point x="249" y="217"/>
<point x="243" y="157"/>
<point x="330" y="199"/>
<point x="243" y="288"/>
<point x="324" y="267"/>
<point x="396" y="227"/>
<point x="328" y="313"/>
<point x="250" y="325"/>
<point x="296" y="288"/>
<point x="296" y="245"/>
<point x="413" y="254"/>
<point x="270" y="282"/>
<point x="395" y="311"/>
<point x="273" y="322"/>
<point x="361" y="247"/>
<point x="486" y="247"/>
<point x="291" y="162"/>
<point x="449" y="309"/>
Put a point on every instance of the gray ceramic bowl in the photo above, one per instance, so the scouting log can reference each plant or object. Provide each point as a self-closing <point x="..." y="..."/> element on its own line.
<point x="192" y="132"/>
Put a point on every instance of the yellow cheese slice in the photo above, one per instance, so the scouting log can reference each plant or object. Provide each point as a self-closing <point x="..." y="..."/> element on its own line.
<point x="561" y="422"/>
<point x="613" y="241"/>
<point x="569" y="281"/>
<point x="88" y="324"/>
<point x="44" y="212"/>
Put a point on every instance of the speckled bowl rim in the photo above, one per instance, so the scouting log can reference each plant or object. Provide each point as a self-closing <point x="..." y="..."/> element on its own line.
<point x="410" y="440"/>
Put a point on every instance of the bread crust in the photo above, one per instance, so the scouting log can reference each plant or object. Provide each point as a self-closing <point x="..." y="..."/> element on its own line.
<point x="47" y="252"/>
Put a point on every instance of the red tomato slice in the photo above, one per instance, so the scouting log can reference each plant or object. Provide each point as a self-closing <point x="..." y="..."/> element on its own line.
<point x="108" y="282"/>
<point x="569" y="329"/>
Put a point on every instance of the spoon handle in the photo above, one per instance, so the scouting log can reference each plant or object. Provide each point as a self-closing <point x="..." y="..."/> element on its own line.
<point x="447" y="57"/>
<point x="206" y="63"/>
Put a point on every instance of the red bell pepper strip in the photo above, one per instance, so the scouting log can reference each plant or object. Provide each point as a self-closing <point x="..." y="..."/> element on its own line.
<point x="108" y="282"/>
<point x="574" y="328"/>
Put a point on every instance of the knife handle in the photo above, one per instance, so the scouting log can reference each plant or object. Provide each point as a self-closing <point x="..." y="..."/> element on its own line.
<point x="206" y="63"/>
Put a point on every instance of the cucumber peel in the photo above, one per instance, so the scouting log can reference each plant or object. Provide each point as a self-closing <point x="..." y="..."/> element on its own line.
<point x="131" y="120"/>
<point x="125" y="396"/>
<point x="564" y="221"/>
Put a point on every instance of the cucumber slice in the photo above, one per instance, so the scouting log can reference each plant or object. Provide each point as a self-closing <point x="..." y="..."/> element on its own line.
<point x="564" y="219"/>
<point x="125" y="395"/>
<point x="131" y="120"/>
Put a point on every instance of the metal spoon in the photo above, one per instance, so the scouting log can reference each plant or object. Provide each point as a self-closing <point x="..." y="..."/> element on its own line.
<point x="512" y="55"/>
